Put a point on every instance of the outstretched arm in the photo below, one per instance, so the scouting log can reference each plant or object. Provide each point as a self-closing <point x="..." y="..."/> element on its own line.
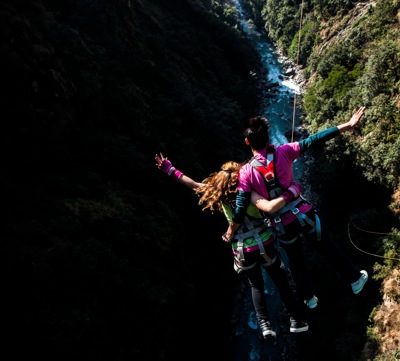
<point x="166" y="167"/>
<point x="327" y="134"/>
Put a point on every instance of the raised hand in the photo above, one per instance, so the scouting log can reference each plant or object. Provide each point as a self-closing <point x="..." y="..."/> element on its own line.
<point x="164" y="164"/>
<point x="354" y="120"/>
<point x="166" y="167"/>
<point x="356" y="117"/>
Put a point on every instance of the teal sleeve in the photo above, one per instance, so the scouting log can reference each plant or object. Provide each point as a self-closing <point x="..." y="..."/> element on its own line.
<point x="318" y="138"/>
<point x="243" y="199"/>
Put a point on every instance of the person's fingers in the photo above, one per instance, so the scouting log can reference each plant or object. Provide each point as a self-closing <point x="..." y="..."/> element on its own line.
<point x="158" y="160"/>
<point x="225" y="238"/>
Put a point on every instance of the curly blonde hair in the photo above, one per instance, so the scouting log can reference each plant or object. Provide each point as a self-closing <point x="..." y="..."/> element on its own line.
<point x="219" y="187"/>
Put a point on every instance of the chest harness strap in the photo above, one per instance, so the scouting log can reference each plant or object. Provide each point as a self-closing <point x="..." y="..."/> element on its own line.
<point x="275" y="190"/>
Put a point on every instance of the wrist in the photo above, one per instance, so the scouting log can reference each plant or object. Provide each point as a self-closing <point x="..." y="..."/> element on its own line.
<point x="170" y="170"/>
<point x="175" y="174"/>
<point x="345" y="126"/>
<point x="295" y="190"/>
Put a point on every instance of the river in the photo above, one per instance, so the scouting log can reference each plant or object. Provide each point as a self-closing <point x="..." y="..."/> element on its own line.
<point x="278" y="101"/>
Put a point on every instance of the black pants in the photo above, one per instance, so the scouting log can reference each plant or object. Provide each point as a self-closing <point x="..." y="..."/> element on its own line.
<point x="298" y="266"/>
<point x="298" y="269"/>
<point x="279" y="277"/>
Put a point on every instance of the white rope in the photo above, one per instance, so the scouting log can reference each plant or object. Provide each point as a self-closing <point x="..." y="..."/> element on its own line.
<point x="297" y="64"/>
<point x="365" y="252"/>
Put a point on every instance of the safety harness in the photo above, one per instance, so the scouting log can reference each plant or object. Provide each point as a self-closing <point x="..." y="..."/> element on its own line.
<point x="296" y="209"/>
<point x="253" y="235"/>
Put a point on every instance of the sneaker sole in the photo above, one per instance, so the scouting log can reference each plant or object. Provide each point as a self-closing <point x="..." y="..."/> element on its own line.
<point x="297" y="330"/>
<point x="269" y="335"/>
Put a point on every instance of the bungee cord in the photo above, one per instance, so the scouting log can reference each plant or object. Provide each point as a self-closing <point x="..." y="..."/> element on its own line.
<point x="297" y="64"/>
<point x="371" y="232"/>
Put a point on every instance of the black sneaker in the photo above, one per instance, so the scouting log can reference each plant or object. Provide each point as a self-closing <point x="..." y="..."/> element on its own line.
<point x="298" y="326"/>
<point x="266" y="330"/>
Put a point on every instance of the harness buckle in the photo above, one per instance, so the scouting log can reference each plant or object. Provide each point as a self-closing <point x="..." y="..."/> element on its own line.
<point x="295" y="211"/>
<point x="277" y="219"/>
<point x="269" y="177"/>
<point x="267" y="222"/>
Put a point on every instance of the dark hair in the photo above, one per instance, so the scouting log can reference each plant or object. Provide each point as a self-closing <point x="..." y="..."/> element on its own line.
<point x="257" y="132"/>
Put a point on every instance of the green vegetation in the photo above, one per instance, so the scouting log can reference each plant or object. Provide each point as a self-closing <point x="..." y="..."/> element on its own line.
<point x="369" y="75"/>
<point x="98" y="246"/>
<point x="330" y="95"/>
<point x="281" y="21"/>
<point x="350" y="52"/>
<point x="225" y="11"/>
<point x="308" y="37"/>
<point x="390" y="249"/>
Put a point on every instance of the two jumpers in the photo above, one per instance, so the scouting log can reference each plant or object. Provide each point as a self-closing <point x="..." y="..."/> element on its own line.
<point x="267" y="181"/>
<point x="270" y="174"/>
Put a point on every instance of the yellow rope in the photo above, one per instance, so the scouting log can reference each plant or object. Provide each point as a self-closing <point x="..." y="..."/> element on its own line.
<point x="361" y="250"/>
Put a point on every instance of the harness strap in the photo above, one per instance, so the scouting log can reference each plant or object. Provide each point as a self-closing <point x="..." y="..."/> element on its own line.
<point x="260" y="244"/>
<point x="318" y="227"/>
<point x="240" y="250"/>
<point x="279" y="226"/>
<point x="290" y="205"/>
<point x="266" y="170"/>
<point x="268" y="259"/>
<point x="268" y="173"/>
<point x="301" y="217"/>
<point x="243" y="235"/>
<point x="290" y="241"/>
<point x="274" y="191"/>
<point x="238" y="267"/>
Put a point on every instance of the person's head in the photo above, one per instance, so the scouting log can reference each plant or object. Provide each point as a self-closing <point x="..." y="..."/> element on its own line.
<point x="257" y="133"/>
<point x="219" y="187"/>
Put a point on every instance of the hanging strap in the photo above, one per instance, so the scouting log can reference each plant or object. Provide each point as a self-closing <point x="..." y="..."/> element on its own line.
<point x="317" y="228"/>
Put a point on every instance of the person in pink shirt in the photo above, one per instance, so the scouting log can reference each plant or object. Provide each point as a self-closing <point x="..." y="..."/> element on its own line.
<point x="253" y="245"/>
<point x="270" y="174"/>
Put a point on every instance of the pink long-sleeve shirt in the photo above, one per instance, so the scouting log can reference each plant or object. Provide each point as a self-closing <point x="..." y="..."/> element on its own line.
<point x="251" y="179"/>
